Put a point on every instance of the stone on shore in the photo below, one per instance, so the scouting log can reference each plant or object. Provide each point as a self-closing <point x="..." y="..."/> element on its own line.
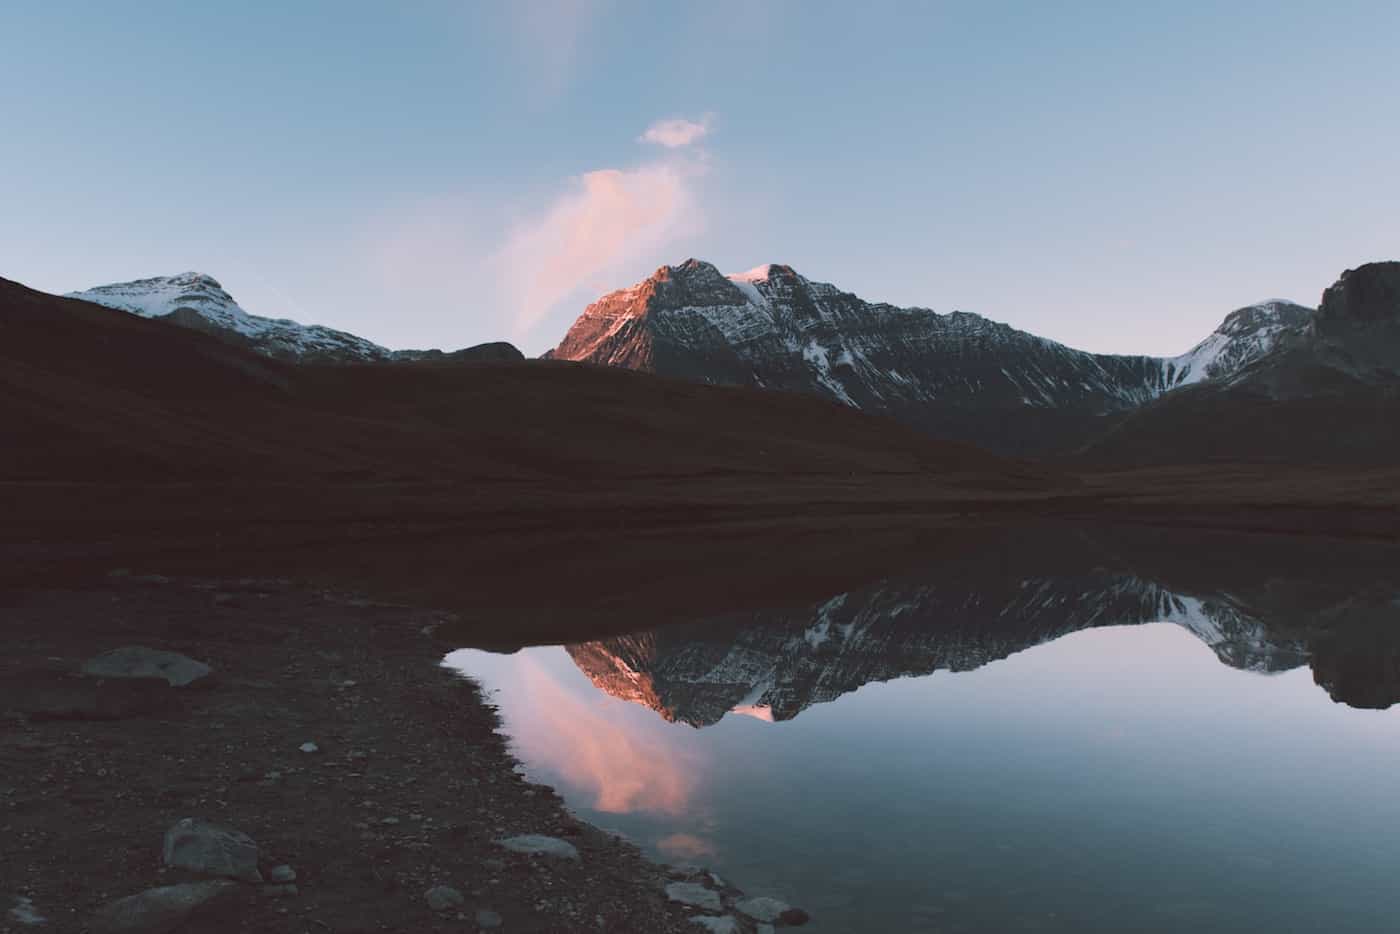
<point x="158" y="911"/>
<point x="487" y="920"/>
<point x="694" y="894"/>
<point x="24" y="912"/>
<point x="725" y="925"/>
<point x="281" y="874"/>
<point x="535" y="844"/>
<point x="443" y="897"/>
<point x="137" y="661"/>
<point x="211" y="850"/>
<point x="771" y="910"/>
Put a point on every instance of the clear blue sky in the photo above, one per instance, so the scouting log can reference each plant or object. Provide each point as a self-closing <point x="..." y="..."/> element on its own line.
<point x="1114" y="175"/>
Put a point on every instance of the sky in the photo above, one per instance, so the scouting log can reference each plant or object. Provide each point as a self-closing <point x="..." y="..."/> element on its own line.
<point x="431" y="173"/>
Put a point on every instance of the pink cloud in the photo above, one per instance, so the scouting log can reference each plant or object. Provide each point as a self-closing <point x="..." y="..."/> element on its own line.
<point x="624" y="770"/>
<point x="676" y="133"/>
<point x="607" y="219"/>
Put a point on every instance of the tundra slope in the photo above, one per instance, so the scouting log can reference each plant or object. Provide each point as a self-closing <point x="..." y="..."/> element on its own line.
<point x="957" y="375"/>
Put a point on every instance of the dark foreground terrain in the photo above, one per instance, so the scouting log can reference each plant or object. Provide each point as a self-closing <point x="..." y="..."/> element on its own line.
<point x="409" y="788"/>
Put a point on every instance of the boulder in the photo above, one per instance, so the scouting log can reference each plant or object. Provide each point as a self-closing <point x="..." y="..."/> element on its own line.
<point x="136" y="661"/>
<point x="536" y="844"/>
<point x="771" y="910"/>
<point x="211" y="850"/>
<point x="694" y="894"/>
<point x="159" y="910"/>
<point x="24" y="912"/>
<point x="282" y="874"/>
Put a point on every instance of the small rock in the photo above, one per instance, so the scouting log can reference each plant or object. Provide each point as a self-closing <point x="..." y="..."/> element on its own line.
<point x="212" y="850"/>
<point x="390" y="821"/>
<point x="281" y="874"/>
<point x="137" y="661"/>
<point x="770" y="910"/>
<point x="309" y="747"/>
<point x="24" y="912"/>
<point x="725" y="925"/>
<point x="540" y="845"/>
<point x="487" y="919"/>
<point x="158" y="911"/>
<point x="443" y="897"/>
<point x="794" y="917"/>
<point x="693" y="893"/>
<point x="279" y="891"/>
<point x="493" y="865"/>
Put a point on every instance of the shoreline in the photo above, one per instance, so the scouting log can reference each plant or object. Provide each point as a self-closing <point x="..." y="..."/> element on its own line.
<point x="410" y="787"/>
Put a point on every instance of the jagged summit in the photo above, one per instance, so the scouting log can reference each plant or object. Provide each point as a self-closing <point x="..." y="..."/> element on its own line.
<point x="959" y="373"/>
<point x="1366" y="294"/>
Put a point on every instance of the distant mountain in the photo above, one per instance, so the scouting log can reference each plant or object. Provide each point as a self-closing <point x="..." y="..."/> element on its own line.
<point x="958" y="375"/>
<point x="1329" y="392"/>
<point x="194" y="300"/>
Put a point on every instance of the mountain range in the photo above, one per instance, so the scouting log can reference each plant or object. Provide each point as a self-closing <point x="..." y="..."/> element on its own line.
<point x="955" y="375"/>
<point x="1276" y="381"/>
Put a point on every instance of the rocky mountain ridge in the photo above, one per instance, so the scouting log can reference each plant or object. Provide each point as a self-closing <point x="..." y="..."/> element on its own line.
<point x="1329" y="392"/>
<point x="773" y="328"/>
<point x="197" y="301"/>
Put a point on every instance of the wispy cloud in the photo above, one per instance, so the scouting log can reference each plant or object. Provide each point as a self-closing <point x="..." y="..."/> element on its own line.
<point x="677" y="132"/>
<point x="606" y="219"/>
<point x="624" y="770"/>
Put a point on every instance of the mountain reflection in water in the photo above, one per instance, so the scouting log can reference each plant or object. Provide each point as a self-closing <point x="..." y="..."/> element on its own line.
<point x="1118" y="749"/>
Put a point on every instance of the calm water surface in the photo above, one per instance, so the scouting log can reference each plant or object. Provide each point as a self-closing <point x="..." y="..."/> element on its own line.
<point x="889" y="761"/>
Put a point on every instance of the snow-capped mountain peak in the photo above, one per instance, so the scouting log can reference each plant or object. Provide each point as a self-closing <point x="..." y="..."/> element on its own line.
<point x="1247" y="334"/>
<point x="960" y="374"/>
<point x="756" y="274"/>
<point x="196" y="300"/>
<point x="163" y="295"/>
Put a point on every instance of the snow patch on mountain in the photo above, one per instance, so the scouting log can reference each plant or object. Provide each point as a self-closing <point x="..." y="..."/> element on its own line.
<point x="199" y="301"/>
<point x="1248" y="334"/>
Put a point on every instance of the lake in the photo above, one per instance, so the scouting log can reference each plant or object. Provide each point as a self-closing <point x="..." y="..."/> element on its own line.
<point x="1088" y="751"/>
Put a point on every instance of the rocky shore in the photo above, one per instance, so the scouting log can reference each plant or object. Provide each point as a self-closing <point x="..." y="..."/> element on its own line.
<point x="288" y="761"/>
